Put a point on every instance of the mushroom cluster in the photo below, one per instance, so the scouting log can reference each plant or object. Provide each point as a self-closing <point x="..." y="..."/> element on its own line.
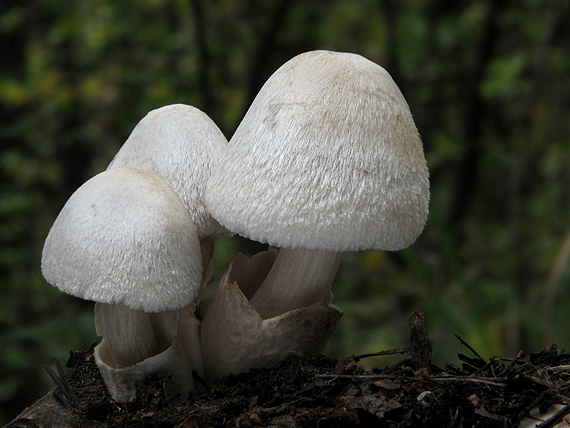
<point x="326" y="160"/>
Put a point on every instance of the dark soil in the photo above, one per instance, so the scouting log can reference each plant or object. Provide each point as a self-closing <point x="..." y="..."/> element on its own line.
<point x="323" y="392"/>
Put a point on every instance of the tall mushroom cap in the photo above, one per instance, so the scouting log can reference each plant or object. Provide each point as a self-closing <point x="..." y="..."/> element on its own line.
<point x="327" y="158"/>
<point x="180" y="144"/>
<point x="124" y="237"/>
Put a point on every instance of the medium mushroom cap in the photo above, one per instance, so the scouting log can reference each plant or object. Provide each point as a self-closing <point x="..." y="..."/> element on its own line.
<point x="180" y="144"/>
<point x="327" y="158"/>
<point x="124" y="237"/>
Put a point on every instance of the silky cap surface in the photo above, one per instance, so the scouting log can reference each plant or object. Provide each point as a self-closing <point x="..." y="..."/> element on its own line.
<point x="180" y="144"/>
<point x="327" y="158"/>
<point x="124" y="237"/>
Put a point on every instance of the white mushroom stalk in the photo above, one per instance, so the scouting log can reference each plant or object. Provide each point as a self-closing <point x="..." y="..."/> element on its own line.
<point x="326" y="160"/>
<point x="123" y="328"/>
<point x="125" y="240"/>
<point x="312" y="271"/>
<point x="136" y="344"/>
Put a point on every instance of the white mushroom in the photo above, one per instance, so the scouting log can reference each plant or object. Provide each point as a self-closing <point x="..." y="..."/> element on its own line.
<point x="125" y="240"/>
<point x="327" y="159"/>
<point x="180" y="144"/>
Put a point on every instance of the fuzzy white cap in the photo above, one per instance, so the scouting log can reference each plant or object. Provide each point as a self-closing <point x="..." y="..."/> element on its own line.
<point x="124" y="237"/>
<point x="180" y="144"/>
<point x="327" y="158"/>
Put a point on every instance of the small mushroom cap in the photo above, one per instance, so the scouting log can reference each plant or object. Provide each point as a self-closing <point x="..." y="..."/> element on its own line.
<point x="327" y="158"/>
<point x="180" y="144"/>
<point x="124" y="237"/>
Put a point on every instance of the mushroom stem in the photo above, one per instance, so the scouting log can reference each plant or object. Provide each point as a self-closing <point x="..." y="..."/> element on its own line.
<point x="297" y="279"/>
<point x="132" y="335"/>
<point x="137" y="344"/>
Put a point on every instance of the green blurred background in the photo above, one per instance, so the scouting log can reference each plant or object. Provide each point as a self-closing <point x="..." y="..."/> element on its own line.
<point x="488" y="82"/>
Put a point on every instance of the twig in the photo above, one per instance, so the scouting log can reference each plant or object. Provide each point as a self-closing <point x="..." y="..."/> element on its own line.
<point x="557" y="369"/>
<point x="66" y="396"/>
<point x="357" y="358"/>
<point x="488" y="381"/>
<point x="474" y="362"/>
<point x="512" y="364"/>
<point x="490" y="364"/>
<point x="420" y="346"/>
<point x="464" y="343"/>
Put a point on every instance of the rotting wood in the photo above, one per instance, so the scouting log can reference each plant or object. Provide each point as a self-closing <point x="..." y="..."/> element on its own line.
<point x="325" y="392"/>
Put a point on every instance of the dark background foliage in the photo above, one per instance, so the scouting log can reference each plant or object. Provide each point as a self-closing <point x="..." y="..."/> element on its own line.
<point x="488" y="82"/>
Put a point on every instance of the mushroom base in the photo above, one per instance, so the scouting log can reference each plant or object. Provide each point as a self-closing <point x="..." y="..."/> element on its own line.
<point x="234" y="337"/>
<point x="137" y="344"/>
<point x="171" y="365"/>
